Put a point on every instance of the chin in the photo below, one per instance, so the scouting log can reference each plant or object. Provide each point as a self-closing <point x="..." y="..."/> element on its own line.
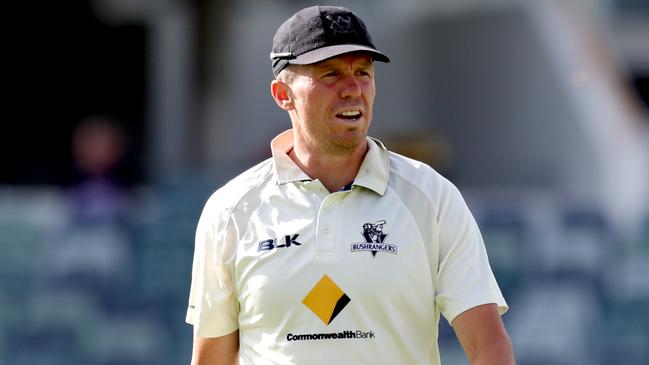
<point x="346" y="146"/>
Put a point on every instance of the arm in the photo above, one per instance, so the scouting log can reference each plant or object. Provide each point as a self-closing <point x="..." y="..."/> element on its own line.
<point x="483" y="337"/>
<point x="216" y="350"/>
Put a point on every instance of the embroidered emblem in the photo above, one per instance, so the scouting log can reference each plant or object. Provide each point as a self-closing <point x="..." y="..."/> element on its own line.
<point x="342" y="24"/>
<point x="374" y="240"/>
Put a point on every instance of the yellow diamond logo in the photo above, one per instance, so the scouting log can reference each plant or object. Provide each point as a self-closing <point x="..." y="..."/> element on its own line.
<point x="326" y="300"/>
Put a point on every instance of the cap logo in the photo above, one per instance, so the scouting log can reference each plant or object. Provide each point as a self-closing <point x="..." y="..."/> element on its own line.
<point x="342" y="24"/>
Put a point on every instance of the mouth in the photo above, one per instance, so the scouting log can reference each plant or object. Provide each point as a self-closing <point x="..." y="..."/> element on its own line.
<point x="350" y="115"/>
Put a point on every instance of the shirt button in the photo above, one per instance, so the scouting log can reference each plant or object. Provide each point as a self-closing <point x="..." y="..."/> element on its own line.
<point x="325" y="229"/>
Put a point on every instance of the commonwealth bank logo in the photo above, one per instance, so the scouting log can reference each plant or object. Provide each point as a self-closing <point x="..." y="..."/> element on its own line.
<point x="326" y="300"/>
<point x="374" y="240"/>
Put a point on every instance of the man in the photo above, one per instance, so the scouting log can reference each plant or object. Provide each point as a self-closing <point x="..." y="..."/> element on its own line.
<point x="335" y="250"/>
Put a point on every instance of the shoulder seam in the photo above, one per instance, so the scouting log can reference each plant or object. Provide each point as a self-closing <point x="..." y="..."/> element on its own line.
<point x="231" y="207"/>
<point x="262" y="180"/>
<point x="397" y="173"/>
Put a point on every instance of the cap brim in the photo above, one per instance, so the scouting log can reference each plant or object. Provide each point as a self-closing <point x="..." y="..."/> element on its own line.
<point x="321" y="54"/>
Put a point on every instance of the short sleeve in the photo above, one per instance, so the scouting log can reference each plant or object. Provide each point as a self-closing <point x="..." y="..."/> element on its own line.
<point x="213" y="308"/>
<point x="464" y="278"/>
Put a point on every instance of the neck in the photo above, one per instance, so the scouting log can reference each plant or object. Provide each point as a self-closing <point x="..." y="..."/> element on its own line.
<point x="334" y="171"/>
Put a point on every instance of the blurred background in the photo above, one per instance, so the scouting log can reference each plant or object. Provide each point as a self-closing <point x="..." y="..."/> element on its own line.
<point x="125" y="115"/>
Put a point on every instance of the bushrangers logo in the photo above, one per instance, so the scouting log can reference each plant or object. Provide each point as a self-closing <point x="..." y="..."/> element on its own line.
<point x="374" y="240"/>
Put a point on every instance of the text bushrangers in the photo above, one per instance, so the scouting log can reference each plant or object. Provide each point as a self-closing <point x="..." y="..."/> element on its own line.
<point x="380" y="247"/>
<point x="330" y="336"/>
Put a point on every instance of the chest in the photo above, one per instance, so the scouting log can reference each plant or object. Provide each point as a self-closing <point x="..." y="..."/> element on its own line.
<point x="357" y="246"/>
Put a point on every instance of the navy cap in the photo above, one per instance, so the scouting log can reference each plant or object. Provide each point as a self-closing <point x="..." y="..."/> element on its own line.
<point x="317" y="33"/>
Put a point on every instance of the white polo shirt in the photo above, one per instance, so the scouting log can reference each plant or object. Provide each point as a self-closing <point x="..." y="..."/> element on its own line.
<point x="352" y="277"/>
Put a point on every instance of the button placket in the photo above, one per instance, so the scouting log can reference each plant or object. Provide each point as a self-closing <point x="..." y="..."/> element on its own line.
<point x="326" y="243"/>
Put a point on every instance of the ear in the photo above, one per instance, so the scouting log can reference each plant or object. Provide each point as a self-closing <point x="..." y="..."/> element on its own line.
<point x="282" y="94"/>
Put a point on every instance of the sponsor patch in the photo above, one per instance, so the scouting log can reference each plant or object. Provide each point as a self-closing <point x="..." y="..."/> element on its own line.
<point x="326" y="300"/>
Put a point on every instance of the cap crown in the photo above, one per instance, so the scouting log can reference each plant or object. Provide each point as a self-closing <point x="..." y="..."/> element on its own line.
<point x="320" y="26"/>
<point x="315" y="28"/>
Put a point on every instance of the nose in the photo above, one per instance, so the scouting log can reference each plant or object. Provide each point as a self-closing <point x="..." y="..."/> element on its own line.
<point x="351" y="87"/>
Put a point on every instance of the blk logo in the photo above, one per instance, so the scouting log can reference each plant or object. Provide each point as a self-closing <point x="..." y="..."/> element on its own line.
<point x="272" y="243"/>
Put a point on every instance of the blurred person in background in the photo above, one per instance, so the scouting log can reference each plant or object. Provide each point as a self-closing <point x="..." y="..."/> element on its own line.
<point x="98" y="147"/>
<point x="336" y="250"/>
<point x="94" y="250"/>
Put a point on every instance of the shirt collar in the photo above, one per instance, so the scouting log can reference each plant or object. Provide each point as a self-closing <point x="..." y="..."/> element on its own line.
<point x="373" y="173"/>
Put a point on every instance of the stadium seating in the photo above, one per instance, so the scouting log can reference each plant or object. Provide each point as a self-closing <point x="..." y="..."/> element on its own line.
<point x="577" y="293"/>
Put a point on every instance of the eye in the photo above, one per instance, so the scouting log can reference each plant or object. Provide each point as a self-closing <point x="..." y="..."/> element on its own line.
<point x="330" y="74"/>
<point x="364" y="73"/>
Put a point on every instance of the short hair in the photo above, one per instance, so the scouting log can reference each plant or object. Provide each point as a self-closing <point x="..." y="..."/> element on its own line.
<point x="287" y="74"/>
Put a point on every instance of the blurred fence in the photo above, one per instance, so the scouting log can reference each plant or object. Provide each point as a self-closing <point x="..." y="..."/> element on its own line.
<point x="98" y="292"/>
<point x="115" y="293"/>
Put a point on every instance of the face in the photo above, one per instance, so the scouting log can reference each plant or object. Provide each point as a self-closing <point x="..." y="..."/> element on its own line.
<point x="332" y="103"/>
